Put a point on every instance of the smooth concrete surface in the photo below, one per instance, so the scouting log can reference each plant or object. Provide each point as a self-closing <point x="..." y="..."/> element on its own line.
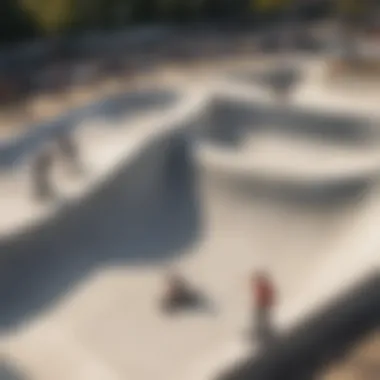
<point x="83" y="293"/>
<point x="80" y="298"/>
<point x="103" y="144"/>
<point x="79" y="295"/>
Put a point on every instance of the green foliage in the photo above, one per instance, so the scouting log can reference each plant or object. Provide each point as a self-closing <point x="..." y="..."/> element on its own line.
<point x="349" y="6"/>
<point x="269" y="5"/>
<point x="14" y="22"/>
<point x="51" y="16"/>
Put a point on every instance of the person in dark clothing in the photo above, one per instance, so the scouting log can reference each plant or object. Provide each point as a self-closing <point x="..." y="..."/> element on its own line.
<point x="262" y="291"/>
<point x="41" y="176"/>
<point x="70" y="152"/>
<point x="283" y="82"/>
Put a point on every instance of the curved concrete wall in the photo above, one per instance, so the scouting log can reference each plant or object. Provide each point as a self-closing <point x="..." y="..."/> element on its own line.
<point x="103" y="153"/>
<point x="125" y="198"/>
<point x="142" y="178"/>
<point x="308" y="176"/>
<point x="320" y="191"/>
<point x="112" y="108"/>
<point x="138" y="179"/>
<point x="152" y="194"/>
<point x="248" y="115"/>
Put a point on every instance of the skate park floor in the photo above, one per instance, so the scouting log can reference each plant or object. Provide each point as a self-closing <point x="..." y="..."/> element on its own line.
<point x="80" y="301"/>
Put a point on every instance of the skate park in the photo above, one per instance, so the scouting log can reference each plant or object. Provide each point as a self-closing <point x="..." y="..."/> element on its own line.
<point x="17" y="154"/>
<point x="216" y="187"/>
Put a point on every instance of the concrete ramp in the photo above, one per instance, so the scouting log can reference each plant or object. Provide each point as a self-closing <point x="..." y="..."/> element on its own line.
<point x="119" y="107"/>
<point x="326" y="337"/>
<point x="79" y="296"/>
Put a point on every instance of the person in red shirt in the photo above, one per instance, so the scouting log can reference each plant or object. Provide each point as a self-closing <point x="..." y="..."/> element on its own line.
<point x="262" y="291"/>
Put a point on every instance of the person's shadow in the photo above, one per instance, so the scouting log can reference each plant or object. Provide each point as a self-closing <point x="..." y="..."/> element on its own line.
<point x="191" y="300"/>
<point x="263" y="336"/>
<point x="139" y="217"/>
<point x="9" y="371"/>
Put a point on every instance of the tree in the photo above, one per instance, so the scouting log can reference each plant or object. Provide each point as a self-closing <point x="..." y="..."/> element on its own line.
<point x="14" y="22"/>
<point x="269" y="5"/>
<point x="51" y="16"/>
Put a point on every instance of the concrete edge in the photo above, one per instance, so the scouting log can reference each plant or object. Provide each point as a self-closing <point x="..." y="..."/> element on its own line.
<point x="152" y="134"/>
<point x="355" y="255"/>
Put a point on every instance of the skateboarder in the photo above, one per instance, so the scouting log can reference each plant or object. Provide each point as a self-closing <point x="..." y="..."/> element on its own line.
<point x="263" y="301"/>
<point x="283" y="82"/>
<point x="41" y="175"/>
<point x="69" y="150"/>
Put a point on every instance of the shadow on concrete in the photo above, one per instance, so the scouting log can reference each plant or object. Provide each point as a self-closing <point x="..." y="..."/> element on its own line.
<point x="319" y="193"/>
<point x="113" y="108"/>
<point x="121" y="106"/>
<point x="318" y="341"/>
<point x="270" y="78"/>
<point x="131" y="220"/>
<point x="11" y="372"/>
<point x="231" y="120"/>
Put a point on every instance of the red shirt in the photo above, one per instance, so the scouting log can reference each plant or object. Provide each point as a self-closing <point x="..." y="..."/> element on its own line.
<point x="263" y="293"/>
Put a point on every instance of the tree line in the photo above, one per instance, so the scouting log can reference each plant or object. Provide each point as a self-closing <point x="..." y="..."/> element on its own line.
<point x="20" y="19"/>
